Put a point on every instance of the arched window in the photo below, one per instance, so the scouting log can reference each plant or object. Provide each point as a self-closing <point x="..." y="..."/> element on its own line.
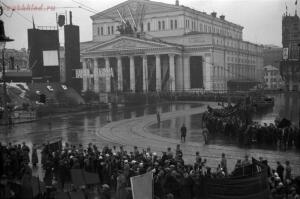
<point x="159" y="25"/>
<point x="149" y="27"/>
<point x="163" y="25"/>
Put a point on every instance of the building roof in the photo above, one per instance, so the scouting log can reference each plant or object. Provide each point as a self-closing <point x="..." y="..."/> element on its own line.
<point x="86" y="44"/>
<point x="150" y="8"/>
<point x="270" y="67"/>
<point x="271" y="46"/>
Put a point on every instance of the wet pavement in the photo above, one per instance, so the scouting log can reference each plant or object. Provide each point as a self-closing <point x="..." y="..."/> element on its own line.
<point x="77" y="128"/>
<point x="138" y="126"/>
<point x="286" y="106"/>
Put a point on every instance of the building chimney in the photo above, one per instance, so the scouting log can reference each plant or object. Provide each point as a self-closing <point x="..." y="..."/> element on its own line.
<point x="214" y="14"/>
<point x="222" y="17"/>
<point x="177" y="3"/>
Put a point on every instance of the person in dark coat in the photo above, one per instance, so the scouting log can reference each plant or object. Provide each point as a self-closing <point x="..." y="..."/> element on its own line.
<point x="171" y="185"/>
<point x="121" y="186"/>
<point x="158" y="185"/>
<point x="34" y="156"/>
<point x="62" y="172"/>
<point x="158" y="118"/>
<point x="186" y="187"/>
<point x="183" y="132"/>
<point x="25" y="152"/>
<point x="280" y="170"/>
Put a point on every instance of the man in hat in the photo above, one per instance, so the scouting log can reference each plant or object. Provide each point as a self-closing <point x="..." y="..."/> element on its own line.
<point x="121" y="185"/>
<point x="205" y="133"/>
<point x="158" y="118"/>
<point x="224" y="163"/>
<point x="183" y="132"/>
<point x="280" y="170"/>
<point x="288" y="171"/>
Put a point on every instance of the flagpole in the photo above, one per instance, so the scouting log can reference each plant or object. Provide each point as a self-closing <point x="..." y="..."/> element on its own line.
<point x="152" y="186"/>
<point x="296" y="2"/>
<point x="131" y="183"/>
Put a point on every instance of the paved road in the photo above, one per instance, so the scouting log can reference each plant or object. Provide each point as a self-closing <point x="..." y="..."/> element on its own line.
<point x="134" y="132"/>
<point x="131" y="128"/>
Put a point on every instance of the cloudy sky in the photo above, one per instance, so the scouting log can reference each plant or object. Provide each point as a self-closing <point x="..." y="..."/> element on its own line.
<point x="261" y="18"/>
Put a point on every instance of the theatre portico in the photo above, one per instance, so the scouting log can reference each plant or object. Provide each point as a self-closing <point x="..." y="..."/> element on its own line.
<point x="139" y="65"/>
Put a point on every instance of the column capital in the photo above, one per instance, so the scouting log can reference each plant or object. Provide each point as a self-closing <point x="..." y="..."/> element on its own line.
<point x="171" y="54"/>
<point x="106" y="58"/>
<point x="186" y="56"/>
<point x="95" y="61"/>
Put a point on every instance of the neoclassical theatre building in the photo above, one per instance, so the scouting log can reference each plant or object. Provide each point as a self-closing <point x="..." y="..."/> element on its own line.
<point x="169" y="48"/>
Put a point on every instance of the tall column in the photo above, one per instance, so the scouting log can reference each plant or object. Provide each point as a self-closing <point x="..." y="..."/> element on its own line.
<point x="132" y="74"/>
<point x="145" y="74"/>
<point x="172" y="72"/>
<point x="107" y="82"/>
<point x="120" y="74"/>
<point x="84" y="76"/>
<point x="96" y="76"/>
<point x="290" y="80"/>
<point x="90" y="76"/>
<point x="186" y="73"/>
<point x="179" y="73"/>
<point x="207" y="73"/>
<point x="158" y="72"/>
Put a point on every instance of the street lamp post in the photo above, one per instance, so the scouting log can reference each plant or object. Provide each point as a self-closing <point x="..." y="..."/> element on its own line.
<point x="299" y="88"/>
<point x="3" y="40"/>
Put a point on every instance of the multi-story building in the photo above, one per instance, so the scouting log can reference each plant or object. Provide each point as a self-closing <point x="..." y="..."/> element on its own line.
<point x="169" y="48"/>
<point x="272" y="78"/>
<point x="290" y="65"/>
<point x="272" y="55"/>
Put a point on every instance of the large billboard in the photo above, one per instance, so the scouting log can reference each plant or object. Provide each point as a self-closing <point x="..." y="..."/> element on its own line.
<point x="43" y="46"/>
<point x="72" y="56"/>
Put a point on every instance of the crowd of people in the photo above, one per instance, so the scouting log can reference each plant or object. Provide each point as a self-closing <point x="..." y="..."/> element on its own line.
<point x="248" y="133"/>
<point x="173" y="178"/>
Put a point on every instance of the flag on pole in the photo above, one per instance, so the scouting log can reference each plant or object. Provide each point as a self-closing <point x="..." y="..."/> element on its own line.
<point x="142" y="186"/>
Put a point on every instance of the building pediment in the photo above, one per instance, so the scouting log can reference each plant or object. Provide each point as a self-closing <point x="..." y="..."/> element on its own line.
<point x="128" y="43"/>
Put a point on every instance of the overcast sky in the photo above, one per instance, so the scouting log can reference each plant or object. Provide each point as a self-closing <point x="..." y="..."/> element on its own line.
<point x="261" y="19"/>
